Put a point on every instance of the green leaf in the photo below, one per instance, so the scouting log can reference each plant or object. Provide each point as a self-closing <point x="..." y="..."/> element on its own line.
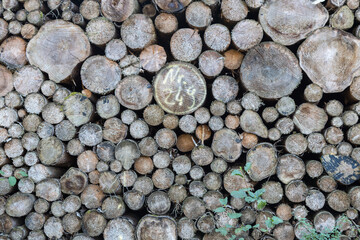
<point x="247" y="166"/>
<point x="219" y="210"/>
<point x="222" y="231"/>
<point x="2" y="173"/>
<point x="269" y="223"/>
<point x="241" y="239"/>
<point x="228" y="226"/>
<point x="243" y="229"/>
<point x="223" y="201"/>
<point x="276" y="220"/>
<point x="249" y="199"/>
<point x="260" y="192"/>
<point x="261" y="203"/>
<point x="12" y="181"/>
<point x="232" y="237"/>
<point x="239" y="194"/>
<point x="234" y="215"/>
<point x="237" y="172"/>
<point x="251" y="194"/>
<point x="263" y="230"/>
<point x="256" y="225"/>
<point x="22" y="173"/>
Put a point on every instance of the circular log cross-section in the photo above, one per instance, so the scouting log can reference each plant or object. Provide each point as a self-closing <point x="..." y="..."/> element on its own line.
<point x="246" y="34"/>
<point x="217" y="37"/>
<point x="100" y="75"/>
<point x="270" y="70"/>
<point x="290" y="167"/>
<point x="179" y="88"/>
<point x="338" y="63"/>
<point x="13" y="52"/>
<point x="310" y="118"/>
<point x="156" y="227"/>
<point x="51" y="151"/>
<point x="28" y="79"/>
<point x="227" y="144"/>
<point x="74" y="181"/>
<point x="236" y="182"/>
<point x="134" y="92"/>
<point x="58" y="48"/>
<point x="198" y="15"/>
<point x="119" y="228"/>
<point x="138" y="32"/>
<point x="263" y="161"/>
<point x="186" y="44"/>
<point x="287" y="22"/>
<point x="119" y="10"/>
<point x="343" y="18"/>
<point x="78" y="109"/>
<point x="233" y="11"/>
<point x="153" y="58"/>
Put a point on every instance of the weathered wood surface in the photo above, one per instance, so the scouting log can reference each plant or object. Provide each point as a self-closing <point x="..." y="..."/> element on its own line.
<point x="339" y="70"/>
<point x="139" y="119"/>
<point x="270" y="70"/>
<point x="179" y="88"/>
<point x="344" y="169"/>
<point x="58" y="57"/>
<point x="288" y="22"/>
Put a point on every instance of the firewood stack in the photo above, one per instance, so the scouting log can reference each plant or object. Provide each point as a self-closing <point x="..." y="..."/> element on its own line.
<point x="125" y="119"/>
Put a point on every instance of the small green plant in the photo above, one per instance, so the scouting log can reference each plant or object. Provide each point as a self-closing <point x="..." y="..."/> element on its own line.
<point x="272" y="222"/>
<point x="249" y="196"/>
<point x="12" y="180"/>
<point x="239" y="172"/>
<point x="312" y="234"/>
<point x="326" y="234"/>
<point x="247" y="193"/>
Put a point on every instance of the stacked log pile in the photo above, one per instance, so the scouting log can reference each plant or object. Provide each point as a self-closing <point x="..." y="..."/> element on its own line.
<point x="126" y="119"/>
